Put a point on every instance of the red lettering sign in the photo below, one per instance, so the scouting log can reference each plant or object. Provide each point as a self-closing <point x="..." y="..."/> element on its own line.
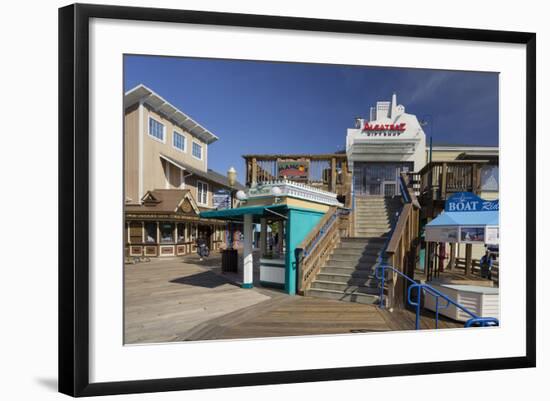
<point x="385" y="127"/>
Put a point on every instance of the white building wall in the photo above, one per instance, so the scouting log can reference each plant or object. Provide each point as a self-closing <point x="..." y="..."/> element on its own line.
<point x="407" y="146"/>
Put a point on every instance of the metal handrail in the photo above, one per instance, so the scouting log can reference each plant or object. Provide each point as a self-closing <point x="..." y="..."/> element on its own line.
<point x="427" y="289"/>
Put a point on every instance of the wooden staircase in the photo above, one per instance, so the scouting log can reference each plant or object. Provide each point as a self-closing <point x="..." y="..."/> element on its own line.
<point x="348" y="274"/>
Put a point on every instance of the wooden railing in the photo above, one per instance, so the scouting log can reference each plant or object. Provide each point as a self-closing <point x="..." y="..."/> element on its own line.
<point x="475" y="269"/>
<point x="314" y="250"/>
<point x="402" y="247"/>
<point x="326" y="171"/>
<point x="438" y="180"/>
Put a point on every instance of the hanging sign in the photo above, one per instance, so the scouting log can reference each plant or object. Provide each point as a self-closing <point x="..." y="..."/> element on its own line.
<point x="469" y="202"/>
<point x="472" y="235"/>
<point x="441" y="234"/>
<point x="293" y="169"/>
<point x="222" y="199"/>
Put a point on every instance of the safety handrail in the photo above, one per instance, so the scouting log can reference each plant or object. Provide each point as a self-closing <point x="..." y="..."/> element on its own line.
<point x="427" y="289"/>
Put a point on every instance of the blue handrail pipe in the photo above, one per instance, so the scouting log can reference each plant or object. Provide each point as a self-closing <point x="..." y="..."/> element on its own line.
<point x="426" y="289"/>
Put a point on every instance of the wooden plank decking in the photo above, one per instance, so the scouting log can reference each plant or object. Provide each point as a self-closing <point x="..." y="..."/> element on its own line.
<point x="173" y="300"/>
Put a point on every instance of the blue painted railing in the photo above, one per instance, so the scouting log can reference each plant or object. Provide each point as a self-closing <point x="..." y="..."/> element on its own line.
<point x="429" y="290"/>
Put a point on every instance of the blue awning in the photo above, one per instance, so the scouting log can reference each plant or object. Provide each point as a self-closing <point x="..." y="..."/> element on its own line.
<point x="450" y="219"/>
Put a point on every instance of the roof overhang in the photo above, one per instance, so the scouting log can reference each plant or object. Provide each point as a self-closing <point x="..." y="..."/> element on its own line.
<point x="143" y="94"/>
<point x="237" y="214"/>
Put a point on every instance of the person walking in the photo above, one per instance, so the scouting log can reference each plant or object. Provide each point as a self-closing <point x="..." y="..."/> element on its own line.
<point x="486" y="264"/>
<point x="202" y="248"/>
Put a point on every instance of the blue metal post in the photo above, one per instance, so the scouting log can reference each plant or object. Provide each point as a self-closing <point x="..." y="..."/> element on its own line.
<point x="418" y="292"/>
<point x="382" y="286"/>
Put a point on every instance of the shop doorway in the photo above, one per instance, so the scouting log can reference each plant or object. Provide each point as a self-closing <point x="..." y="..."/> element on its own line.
<point x="206" y="233"/>
<point x="378" y="179"/>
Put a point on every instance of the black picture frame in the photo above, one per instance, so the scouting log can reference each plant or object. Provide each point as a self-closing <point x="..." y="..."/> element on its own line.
<point x="74" y="200"/>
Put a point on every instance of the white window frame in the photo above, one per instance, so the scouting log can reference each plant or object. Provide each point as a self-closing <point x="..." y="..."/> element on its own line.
<point x="184" y="141"/>
<point x="205" y="189"/>
<point x="163" y="130"/>
<point x="202" y="151"/>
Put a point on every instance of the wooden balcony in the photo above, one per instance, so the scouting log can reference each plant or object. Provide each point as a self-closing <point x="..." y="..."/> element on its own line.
<point x="439" y="180"/>
<point x="325" y="171"/>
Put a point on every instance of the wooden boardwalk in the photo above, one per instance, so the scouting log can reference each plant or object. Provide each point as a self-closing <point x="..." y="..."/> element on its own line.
<point x="163" y="299"/>
<point x="173" y="300"/>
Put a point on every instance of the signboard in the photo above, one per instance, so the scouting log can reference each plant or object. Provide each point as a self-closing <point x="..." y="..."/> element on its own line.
<point x="491" y="235"/>
<point x="293" y="169"/>
<point x="469" y="202"/>
<point x="442" y="234"/>
<point x="472" y="235"/>
<point x="372" y="129"/>
<point x="222" y="199"/>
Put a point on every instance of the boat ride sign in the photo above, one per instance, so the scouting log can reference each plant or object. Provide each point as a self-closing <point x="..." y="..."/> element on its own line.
<point x="469" y="202"/>
<point x="293" y="169"/>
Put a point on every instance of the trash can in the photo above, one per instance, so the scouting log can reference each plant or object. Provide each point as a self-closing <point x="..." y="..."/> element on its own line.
<point x="230" y="258"/>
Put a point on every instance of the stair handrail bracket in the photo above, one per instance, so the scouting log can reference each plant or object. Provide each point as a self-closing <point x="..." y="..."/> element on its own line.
<point x="314" y="250"/>
<point x="426" y="289"/>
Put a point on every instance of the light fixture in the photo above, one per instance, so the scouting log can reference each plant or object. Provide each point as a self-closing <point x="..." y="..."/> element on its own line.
<point x="232" y="176"/>
<point x="276" y="191"/>
<point x="241" y="195"/>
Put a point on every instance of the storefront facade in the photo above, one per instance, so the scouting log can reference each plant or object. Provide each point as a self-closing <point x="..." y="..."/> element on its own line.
<point x="167" y="223"/>
<point x="380" y="148"/>
<point x="167" y="182"/>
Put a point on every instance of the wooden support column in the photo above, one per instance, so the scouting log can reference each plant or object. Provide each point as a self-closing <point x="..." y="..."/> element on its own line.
<point x="452" y="259"/>
<point x="254" y="169"/>
<point x="475" y="179"/>
<point x="333" y="174"/>
<point x="468" y="260"/>
<point x="444" y="181"/>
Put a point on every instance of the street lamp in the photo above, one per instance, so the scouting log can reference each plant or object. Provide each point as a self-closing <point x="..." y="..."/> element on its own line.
<point x="232" y="179"/>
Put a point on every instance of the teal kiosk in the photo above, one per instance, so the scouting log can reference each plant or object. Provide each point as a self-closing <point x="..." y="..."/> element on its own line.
<point x="293" y="210"/>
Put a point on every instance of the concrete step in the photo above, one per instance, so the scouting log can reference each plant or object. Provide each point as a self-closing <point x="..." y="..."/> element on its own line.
<point x="344" y="287"/>
<point x="366" y="281"/>
<point x="373" y="232"/>
<point x="350" y="270"/>
<point x="352" y="260"/>
<point x="357" y="252"/>
<point x="370" y="225"/>
<point x="359" y="277"/>
<point x="343" y="274"/>
<point x="354" y="244"/>
<point x="362" y="239"/>
<point x="343" y="296"/>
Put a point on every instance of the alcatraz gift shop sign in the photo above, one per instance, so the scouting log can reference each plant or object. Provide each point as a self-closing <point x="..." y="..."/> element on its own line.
<point x="370" y="129"/>
<point x="469" y="202"/>
<point x="293" y="169"/>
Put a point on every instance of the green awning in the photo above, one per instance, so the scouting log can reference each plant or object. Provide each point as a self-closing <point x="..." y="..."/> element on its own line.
<point x="237" y="214"/>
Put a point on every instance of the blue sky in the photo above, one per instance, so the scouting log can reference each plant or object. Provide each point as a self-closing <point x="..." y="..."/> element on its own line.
<point x="268" y="107"/>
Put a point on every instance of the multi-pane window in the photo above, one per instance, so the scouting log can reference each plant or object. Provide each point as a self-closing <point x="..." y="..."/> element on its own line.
<point x="156" y="129"/>
<point x="166" y="232"/>
<point x="150" y="232"/>
<point x="197" y="150"/>
<point x="489" y="178"/>
<point x="179" y="141"/>
<point x="202" y="193"/>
